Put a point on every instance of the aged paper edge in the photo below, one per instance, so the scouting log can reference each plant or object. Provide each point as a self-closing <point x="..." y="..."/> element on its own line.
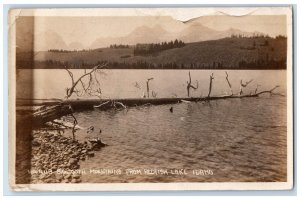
<point x="179" y="14"/>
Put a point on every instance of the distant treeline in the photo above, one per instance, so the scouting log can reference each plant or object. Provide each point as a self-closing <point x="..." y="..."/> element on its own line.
<point x="146" y="49"/>
<point x="257" y="64"/>
<point x="69" y="51"/>
<point x="265" y="64"/>
<point x="119" y="46"/>
<point x="263" y="52"/>
<point x="258" y="35"/>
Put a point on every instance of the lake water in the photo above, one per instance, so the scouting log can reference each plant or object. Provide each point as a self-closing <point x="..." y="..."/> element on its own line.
<point x="52" y="83"/>
<point x="235" y="139"/>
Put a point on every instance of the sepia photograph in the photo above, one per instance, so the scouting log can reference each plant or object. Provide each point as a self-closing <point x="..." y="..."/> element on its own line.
<point x="123" y="99"/>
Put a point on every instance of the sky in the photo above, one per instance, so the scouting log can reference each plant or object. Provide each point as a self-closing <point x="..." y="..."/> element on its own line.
<point x="59" y="32"/>
<point x="88" y="29"/>
<point x="271" y="25"/>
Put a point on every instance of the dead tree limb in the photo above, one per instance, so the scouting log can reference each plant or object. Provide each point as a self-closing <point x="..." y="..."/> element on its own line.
<point x="147" y="104"/>
<point x="229" y="84"/>
<point x="268" y="91"/>
<point x="189" y="85"/>
<point x="148" y="90"/>
<point x="256" y="88"/>
<point x="121" y="104"/>
<point x="136" y="84"/>
<point x="60" y="124"/>
<point x="75" y="122"/>
<point x="154" y="94"/>
<point x="102" y="104"/>
<point x="72" y="89"/>
<point x="243" y="85"/>
<point x="71" y="75"/>
<point x="210" y="84"/>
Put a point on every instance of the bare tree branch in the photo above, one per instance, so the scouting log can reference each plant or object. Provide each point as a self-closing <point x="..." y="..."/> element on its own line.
<point x="210" y="84"/>
<point x="71" y="74"/>
<point x="256" y="88"/>
<point x="269" y="91"/>
<point x="136" y="84"/>
<point x="189" y="85"/>
<point x="148" y="89"/>
<point x="247" y="83"/>
<point x="243" y="85"/>
<point x="99" y="106"/>
<point x="121" y="104"/>
<point x="72" y="90"/>
<point x="229" y="84"/>
<point x="154" y="94"/>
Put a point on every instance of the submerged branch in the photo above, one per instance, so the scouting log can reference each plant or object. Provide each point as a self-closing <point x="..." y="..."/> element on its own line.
<point x="121" y="104"/>
<point x="102" y="104"/>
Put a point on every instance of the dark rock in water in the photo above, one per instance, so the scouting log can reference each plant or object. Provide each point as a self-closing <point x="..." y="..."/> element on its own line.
<point x="97" y="144"/>
<point x="171" y="109"/>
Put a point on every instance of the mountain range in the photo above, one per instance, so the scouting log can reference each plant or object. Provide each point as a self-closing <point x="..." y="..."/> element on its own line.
<point x="194" y="32"/>
<point x="144" y="34"/>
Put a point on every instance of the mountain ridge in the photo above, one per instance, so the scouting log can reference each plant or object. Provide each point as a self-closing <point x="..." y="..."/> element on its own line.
<point x="226" y="53"/>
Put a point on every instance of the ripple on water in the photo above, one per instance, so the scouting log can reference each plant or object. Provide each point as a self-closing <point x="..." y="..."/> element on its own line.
<point x="240" y="140"/>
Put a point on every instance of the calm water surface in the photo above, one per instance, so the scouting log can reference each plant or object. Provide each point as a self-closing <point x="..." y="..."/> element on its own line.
<point x="237" y="139"/>
<point x="52" y="83"/>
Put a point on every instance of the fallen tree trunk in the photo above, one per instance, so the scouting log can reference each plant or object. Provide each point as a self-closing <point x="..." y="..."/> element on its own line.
<point x="94" y="103"/>
<point x="65" y="107"/>
<point x="42" y="114"/>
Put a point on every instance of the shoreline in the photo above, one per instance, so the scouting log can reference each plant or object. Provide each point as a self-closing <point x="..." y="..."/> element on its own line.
<point x="56" y="158"/>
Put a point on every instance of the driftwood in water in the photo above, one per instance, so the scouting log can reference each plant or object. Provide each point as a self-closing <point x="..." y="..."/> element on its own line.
<point x="50" y="113"/>
<point x="104" y="104"/>
<point x="42" y="114"/>
<point x="22" y="103"/>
